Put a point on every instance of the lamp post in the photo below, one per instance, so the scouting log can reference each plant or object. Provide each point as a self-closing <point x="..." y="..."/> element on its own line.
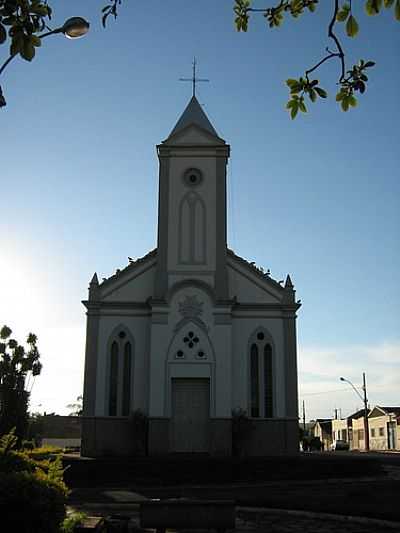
<point x="73" y="28"/>
<point x="364" y="399"/>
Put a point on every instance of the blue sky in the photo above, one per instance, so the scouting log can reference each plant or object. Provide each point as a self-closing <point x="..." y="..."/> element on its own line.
<point x="317" y="197"/>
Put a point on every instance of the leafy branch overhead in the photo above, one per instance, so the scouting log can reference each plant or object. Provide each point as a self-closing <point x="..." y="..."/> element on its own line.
<point x="22" y="23"/>
<point x="350" y="81"/>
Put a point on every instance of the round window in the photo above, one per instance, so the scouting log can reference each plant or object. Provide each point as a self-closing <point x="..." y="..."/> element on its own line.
<point x="192" y="177"/>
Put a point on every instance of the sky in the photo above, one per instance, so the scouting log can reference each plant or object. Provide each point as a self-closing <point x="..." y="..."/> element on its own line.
<point x="317" y="197"/>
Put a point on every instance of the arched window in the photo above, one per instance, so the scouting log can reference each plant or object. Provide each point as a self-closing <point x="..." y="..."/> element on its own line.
<point x="261" y="377"/>
<point x="126" y="392"/>
<point x="255" y="381"/>
<point x="268" y="398"/>
<point x="113" y="399"/>
<point x="120" y="375"/>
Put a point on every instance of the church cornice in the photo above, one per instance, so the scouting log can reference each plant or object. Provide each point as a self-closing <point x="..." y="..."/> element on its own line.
<point x="98" y="305"/>
<point x="285" y="308"/>
<point x="182" y="150"/>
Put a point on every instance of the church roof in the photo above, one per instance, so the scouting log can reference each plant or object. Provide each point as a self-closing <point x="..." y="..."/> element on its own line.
<point x="193" y="115"/>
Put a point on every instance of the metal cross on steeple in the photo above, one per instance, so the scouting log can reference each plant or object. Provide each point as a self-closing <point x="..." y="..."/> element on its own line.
<point x="193" y="79"/>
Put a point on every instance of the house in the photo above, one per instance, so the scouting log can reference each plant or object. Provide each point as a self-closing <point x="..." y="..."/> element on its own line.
<point x="323" y="430"/>
<point x="340" y="429"/>
<point x="357" y="430"/>
<point x="191" y="332"/>
<point x="384" y="428"/>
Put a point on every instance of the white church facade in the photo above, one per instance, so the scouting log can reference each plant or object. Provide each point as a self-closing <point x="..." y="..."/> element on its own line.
<point x="191" y="332"/>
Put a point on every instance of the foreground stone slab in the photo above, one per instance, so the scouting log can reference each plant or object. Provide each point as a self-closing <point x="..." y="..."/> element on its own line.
<point x="186" y="513"/>
<point x="91" y="524"/>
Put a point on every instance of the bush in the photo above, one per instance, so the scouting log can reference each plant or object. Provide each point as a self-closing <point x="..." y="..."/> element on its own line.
<point x="72" y="520"/>
<point x="32" y="492"/>
<point x="12" y="461"/>
<point x="44" y="452"/>
<point x="31" y="502"/>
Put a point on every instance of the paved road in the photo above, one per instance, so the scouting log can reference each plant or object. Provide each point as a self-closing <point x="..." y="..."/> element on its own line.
<point x="127" y="503"/>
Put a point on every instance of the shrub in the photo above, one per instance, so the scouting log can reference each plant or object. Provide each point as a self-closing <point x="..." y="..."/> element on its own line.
<point x="242" y="426"/>
<point x="72" y="520"/>
<point x="13" y="461"/>
<point x="44" y="452"/>
<point x="32" y="492"/>
<point x="31" y="502"/>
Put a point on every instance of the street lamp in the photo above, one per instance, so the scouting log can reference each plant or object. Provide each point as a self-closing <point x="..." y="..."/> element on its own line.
<point x="365" y="401"/>
<point x="73" y="28"/>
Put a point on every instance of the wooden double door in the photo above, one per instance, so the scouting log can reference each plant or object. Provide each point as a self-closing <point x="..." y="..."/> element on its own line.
<point x="190" y="415"/>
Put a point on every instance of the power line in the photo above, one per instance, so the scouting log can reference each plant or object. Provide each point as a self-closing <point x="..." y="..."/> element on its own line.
<point x="339" y="390"/>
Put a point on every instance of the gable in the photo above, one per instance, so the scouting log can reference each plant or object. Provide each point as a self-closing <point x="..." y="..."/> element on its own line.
<point x="376" y="411"/>
<point x="249" y="287"/>
<point x="131" y="285"/>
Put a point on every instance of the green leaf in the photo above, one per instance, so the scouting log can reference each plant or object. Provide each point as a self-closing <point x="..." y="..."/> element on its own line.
<point x="343" y="13"/>
<point x="370" y="63"/>
<point x="291" y="82"/>
<point x="36" y="41"/>
<point x="313" y="95"/>
<point x="351" y="26"/>
<point x="340" y="95"/>
<point x="352" y="101"/>
<point x="294" y="112"/>
<point x="388" y="3"/>
<point x="28" y="50"/>
<point x="3" y="34"/>
<point x="17" y="44"/>
<point x="321" y="92"/>
<point x="302" y="106"/>
<point x="345" y="103"/>
<point x="397" y="10"/>
<point x="372" y="7"/>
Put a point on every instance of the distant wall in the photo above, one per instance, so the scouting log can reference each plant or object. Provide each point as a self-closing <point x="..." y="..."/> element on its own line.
<point x="60" y="427"/>
<point x="62" y="443"/>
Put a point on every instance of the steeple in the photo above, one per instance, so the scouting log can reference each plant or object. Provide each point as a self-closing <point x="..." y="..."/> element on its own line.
<point x="193" y="115"/>
<point x="191" y="240"/>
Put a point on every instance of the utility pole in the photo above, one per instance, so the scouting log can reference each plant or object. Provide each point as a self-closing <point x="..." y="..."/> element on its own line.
<point x="366" y="425"/>
<point x="365" y="401"/>
<point x="304" y="417"/>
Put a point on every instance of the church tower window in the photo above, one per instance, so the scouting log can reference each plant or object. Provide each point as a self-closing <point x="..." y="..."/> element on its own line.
<point x="261" y="377"/>
<point x="193" y="177"/>
<point x="192" y="229"/>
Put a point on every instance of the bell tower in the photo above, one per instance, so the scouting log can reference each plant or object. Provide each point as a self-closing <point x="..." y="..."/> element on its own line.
<point x="192" y="204"/>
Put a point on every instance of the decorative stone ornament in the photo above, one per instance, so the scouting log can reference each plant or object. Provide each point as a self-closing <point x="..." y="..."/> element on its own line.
<point x="191" y="307"/>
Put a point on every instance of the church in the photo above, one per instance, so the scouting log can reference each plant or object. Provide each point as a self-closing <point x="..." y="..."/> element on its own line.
<point x="191" y="336"/>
